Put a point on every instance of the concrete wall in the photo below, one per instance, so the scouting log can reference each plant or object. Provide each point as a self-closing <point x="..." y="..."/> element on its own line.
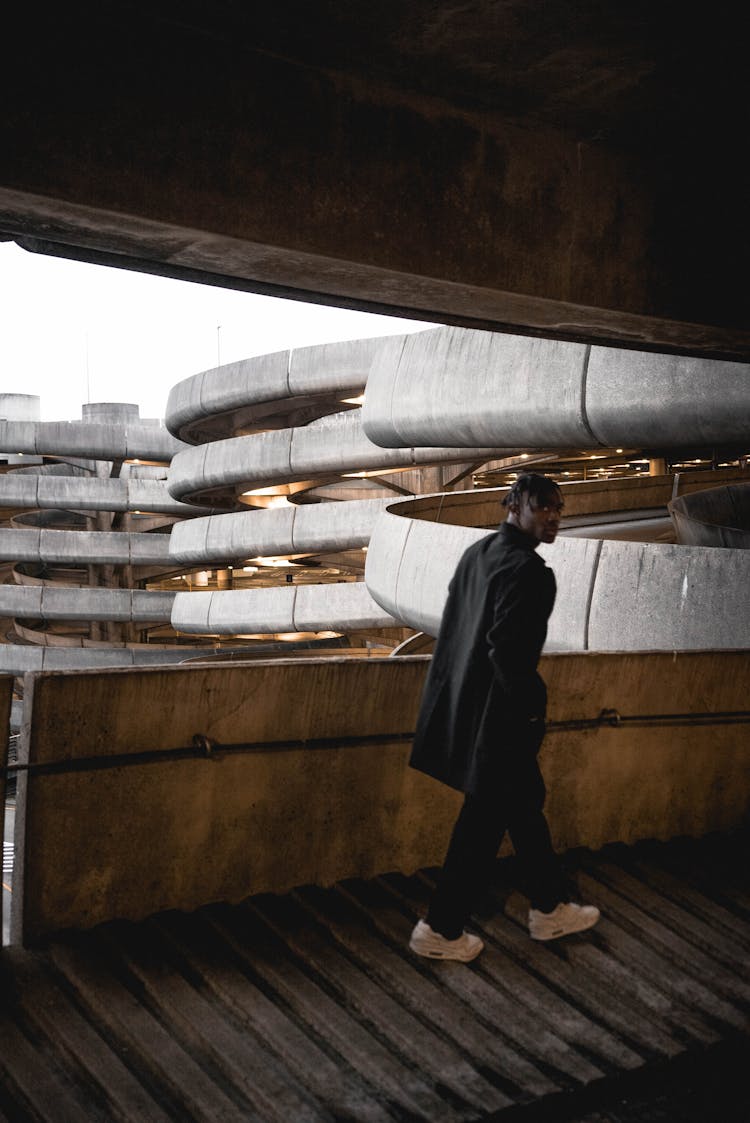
<point x="192" y="831"/>
<point x="719" y="516"/>
<point x="89" y="494"/>
<point x="483" y="388"/>
<point x="343" y="607"/>
<point x="275" y="532"/>
<point x="611" y="596"/>
<point x="100" y="441"/>
<point x="226" y="399"/>
<point x="6" y="703"/>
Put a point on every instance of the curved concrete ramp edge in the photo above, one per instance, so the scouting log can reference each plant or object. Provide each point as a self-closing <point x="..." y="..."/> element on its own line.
<point x="611" y="596"/>
<point x="718" y="516"/>
<point x="475" y="388"/>
<point x="320" y="769"/>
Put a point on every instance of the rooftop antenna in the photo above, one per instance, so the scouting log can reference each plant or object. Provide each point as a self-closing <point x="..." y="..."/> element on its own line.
<point x="88" y="375"/>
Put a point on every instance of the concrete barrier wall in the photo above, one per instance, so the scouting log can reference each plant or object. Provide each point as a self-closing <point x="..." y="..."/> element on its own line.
<point x="84" y="547"/>
<point x="223" y="826"/>
<point x="222" y="399"/>
<point x="453" y="386"/>
<point x="718" y="516"/>
<point x="330" y="446"/>
<point x="6" y="710"/>
<point x="345" y="606"/>
<point x="20" y="658"/>
<point x="109" y="441"/>
<point x="48" y="603"/>
<point x="611" y="596"/>
<point x="276" y="531"/>
<point x="80" y="493"/>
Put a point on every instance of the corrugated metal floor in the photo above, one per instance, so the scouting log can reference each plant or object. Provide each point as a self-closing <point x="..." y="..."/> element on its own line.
<point x="310" y="1007"/>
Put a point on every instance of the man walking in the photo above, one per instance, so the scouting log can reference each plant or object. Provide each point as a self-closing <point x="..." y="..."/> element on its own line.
<point x="481" y="724"/>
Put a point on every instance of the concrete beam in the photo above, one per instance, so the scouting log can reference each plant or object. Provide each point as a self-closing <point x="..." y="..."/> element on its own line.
<point x="459" y="170"/>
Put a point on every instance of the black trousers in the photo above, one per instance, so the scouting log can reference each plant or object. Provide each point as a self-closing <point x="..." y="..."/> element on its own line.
<point x="513" y="802"/>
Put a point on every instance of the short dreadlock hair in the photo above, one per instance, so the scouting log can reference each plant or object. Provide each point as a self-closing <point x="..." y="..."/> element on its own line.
<point x="539" y="489"/>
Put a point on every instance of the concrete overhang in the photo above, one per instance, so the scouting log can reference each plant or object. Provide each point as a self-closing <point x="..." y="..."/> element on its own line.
<point x="529" y="166"/>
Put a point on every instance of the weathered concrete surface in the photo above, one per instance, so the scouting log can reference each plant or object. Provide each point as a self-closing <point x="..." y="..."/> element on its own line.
<point x="346" y="606"/>
<point x="327" y="447"/>
<point x="43" y="601"/>
<point x="482" y="388"/>
<point x="18" y="659"/>
<point x="719" y="516"/>
<point x="583" y="498"/>
<point x="227" y="825"/>
<point x="84" y="547"/>
<point x="6" y="703"/>
<point x="531" y="167"/>
<point x="100" y="441"/>
<point x="89" y="494"/>
<point x="612" y="596"/>
<point x="277" y="531"/>
<point x="269" y="391"/>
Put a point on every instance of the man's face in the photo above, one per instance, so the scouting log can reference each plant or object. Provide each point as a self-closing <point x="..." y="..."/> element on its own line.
<point x="540" y="519"/>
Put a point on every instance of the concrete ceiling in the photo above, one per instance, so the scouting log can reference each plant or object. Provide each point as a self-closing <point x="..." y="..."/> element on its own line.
<point x="529" y="165"/>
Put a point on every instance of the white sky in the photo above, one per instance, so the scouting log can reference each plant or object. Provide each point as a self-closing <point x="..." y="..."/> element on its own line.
<point x="72" y="332"/>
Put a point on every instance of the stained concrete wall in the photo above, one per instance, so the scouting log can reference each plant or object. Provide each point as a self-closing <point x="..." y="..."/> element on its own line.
<point x="227" y="825"/>
<point x="483" y="388"/>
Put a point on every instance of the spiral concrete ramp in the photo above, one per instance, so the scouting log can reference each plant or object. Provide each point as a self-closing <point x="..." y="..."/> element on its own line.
<point x="719" y="516"/>
<point x="252" y="457"/>
<point x="451" y="395"/>
<point x="74" y="496"/>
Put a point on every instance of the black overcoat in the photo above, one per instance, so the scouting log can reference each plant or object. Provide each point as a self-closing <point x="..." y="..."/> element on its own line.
<point x="483" y="693"/>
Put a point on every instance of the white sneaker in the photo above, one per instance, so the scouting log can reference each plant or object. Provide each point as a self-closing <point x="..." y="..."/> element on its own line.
<point x="434" y="946"/>
<point x="566" y="918"/>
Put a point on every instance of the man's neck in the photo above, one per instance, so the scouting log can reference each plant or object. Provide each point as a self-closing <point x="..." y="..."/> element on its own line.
<point x="528" y="539"/>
